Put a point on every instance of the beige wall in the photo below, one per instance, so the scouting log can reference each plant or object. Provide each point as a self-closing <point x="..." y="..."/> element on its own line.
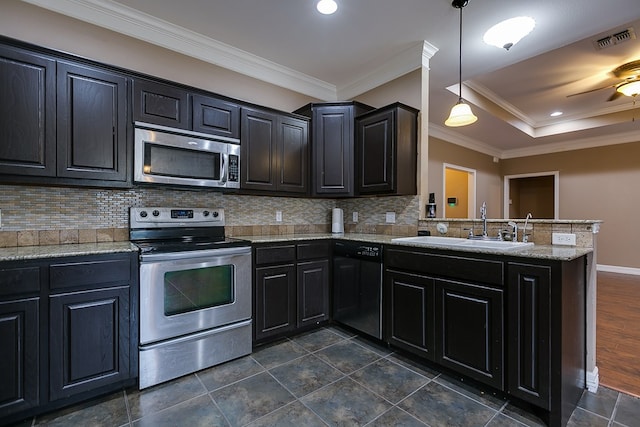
<point x="599" y="184"/>
<point x="404" y="89"/>
<point x="488" y="178"/>
<point x="39" y="26"/>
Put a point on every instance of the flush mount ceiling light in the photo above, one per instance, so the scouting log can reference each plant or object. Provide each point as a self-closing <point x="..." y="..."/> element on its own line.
<point x="461" y="114"/>
<point x="631" y="88"/>
<point x="327" y="7"/>
<point x="556" y="113"/>
<point x="507" y="33"/>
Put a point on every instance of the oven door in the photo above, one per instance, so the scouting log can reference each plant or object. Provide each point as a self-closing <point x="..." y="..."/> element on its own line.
<point x="185" y="292"/>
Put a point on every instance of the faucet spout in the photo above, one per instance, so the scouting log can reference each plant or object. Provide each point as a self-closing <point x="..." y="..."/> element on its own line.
<point x="483" y="217"/>
<point x="525" y="237"/>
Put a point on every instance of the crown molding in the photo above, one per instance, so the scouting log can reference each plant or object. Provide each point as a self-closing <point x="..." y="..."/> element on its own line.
<point x="453" y="137"/>
<point x="133" y="23"/>
<point x="576" y="144"/>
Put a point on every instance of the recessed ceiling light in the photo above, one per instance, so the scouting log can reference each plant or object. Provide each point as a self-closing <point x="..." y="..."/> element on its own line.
<point x="507" y="33"/>
<point x="556" y="114"/>
<point x="327" y="7"/>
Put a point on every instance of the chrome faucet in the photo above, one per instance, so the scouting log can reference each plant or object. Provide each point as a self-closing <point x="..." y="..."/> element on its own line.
<point x="483" y="217"/>
<point x="514" y="226"/>
<point x="525" y="236"/>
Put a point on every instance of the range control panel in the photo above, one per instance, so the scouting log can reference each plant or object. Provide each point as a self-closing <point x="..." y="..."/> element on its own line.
<point x="156" y="217"/>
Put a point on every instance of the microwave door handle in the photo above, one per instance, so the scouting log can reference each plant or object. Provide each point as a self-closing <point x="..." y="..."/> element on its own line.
<point x="223" y="168"/>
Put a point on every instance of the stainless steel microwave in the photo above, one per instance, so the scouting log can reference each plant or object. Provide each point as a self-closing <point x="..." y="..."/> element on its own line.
<point x="169" y="156"/>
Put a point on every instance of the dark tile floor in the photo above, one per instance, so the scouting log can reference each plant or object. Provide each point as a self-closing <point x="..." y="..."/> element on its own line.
<point x="325" y="377"/>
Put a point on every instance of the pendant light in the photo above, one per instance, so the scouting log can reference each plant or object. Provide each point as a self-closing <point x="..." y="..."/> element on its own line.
<point x="461" y="114"/>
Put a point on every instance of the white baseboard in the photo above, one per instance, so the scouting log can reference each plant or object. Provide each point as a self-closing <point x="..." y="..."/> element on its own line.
<point x="618" y="269"/>
<point x="593" y="380"/>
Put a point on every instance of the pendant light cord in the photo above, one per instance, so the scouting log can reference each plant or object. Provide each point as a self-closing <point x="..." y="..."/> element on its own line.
<point x="460" y="60"/>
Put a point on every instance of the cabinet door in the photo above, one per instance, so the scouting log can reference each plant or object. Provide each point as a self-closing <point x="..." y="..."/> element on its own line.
<point x="215" y="116"/>
<point x="469" y="325"/>
<point x="160" y="104"/>
<point x="410" y="312"/>
<point x="275" y="300"/>
<point x="528" y="317"/>
<point x="332" y="150"/>
<point x="293" y="155"/>
<point x="27" y="113"/>
<point x="19" y="353"/>
<point x="375" y="148"/>
<point x="89" y="340"/>
<point x="92" y="123"/>
<point x="313" y="292"/>
<point x="257" y="150"/>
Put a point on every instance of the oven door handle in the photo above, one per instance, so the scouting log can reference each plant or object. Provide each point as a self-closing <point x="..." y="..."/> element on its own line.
<point x="206" y="253"/>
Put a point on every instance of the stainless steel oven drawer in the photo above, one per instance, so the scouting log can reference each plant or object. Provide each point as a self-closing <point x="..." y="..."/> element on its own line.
<point x="174" y="358"/>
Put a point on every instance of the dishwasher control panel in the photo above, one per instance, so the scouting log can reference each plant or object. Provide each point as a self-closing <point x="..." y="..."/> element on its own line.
<point x="360" y="250"/>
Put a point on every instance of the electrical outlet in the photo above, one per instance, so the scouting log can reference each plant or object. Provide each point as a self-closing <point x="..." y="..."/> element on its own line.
<point x="391" y="217"/>
<point x="278" y="216"/>
<point x="0" y="218"/>
<point x="355" y="217"/>
<point x="567" y="239"/>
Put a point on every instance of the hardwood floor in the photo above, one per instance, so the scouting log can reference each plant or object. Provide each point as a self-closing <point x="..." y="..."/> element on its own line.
<point x="618" y="332"/>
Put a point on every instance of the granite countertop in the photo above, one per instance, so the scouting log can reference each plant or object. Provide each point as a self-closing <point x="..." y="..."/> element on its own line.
<point x="550" y="252"/>
<point x="50" y="251"/>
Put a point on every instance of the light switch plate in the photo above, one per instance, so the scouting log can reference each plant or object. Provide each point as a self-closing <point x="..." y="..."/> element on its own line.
<point x="355" y="217"/>
<point x="278" y="216"/>
<point x="391" y="217"/>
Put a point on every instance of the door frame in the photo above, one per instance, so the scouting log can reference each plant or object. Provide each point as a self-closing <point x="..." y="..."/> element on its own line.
<point x="471" y="195"/>
<point x="556" y="190"/>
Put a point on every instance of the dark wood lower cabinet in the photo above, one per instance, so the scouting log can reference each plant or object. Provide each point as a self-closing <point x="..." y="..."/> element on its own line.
<point x="68" y="331"/>
<point x="529" y="355"/>
<point x="469" y="324"/>
<point x="19" y="353"/>
<point x="89" y="339"/>
<point x="275" y="307"/>
<point x="291" y="288"/>
<point x="409" y="312"/>
<point x="313" y="292"/>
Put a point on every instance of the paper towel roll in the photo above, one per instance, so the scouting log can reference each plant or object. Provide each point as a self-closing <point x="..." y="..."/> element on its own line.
<point x="337" y="221"/>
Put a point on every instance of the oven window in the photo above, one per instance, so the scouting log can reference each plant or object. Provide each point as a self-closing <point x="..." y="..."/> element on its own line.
<point x="197" y="289"/>
<point x="181" y="163"/>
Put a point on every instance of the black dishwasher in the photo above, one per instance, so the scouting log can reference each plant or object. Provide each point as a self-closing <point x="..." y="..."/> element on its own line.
<point x="357" y="286"/>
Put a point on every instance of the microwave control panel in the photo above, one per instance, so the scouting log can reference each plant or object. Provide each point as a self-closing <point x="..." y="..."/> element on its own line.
<point x="234" y="168"/>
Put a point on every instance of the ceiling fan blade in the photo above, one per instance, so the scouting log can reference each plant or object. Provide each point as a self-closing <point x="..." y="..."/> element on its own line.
<point x="589" y="91"/>
<point x="615" y="96"/>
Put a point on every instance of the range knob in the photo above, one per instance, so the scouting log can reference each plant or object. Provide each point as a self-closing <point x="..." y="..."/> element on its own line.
<point x="143" y="214"/>
<point x="205" y="214"/>
<point x="155" y="213"/>
<point x="215" y="214"/>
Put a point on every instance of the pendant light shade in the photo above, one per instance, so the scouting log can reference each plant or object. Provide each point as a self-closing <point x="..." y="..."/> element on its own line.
<point x="631" y="88"/>
<point x="461" y="114"/>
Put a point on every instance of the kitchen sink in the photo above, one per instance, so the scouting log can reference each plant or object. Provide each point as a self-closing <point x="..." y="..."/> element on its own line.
<point x="459" y="242"/>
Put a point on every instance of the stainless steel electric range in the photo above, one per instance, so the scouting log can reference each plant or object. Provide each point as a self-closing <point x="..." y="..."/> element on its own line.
<point x="195" y="291"/>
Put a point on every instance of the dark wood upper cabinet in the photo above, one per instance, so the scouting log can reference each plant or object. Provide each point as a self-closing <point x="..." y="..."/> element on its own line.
<point x="386" y="151"/>
<point x="160" y="104"/>
<point x="274" y="152"/>
<point x="332" y="147"/>
<point x="215" y="116"/>
<point x="27" y="113"/>
<point x="92" y="123"/>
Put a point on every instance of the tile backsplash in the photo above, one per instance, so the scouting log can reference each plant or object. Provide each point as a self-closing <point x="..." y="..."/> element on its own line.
<point x="51" y="215"/>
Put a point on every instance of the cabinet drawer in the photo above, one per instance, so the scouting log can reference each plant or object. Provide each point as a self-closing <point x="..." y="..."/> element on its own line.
<point x="454" y="267"/>
<point x="92" y="274"/>
<point x="20" y="280"/>
<point x="313" y="250"/>
<point x="275" y="254"/>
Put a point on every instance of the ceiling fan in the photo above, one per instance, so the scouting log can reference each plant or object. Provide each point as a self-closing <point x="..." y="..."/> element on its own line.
<point x="629" y="73"/>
